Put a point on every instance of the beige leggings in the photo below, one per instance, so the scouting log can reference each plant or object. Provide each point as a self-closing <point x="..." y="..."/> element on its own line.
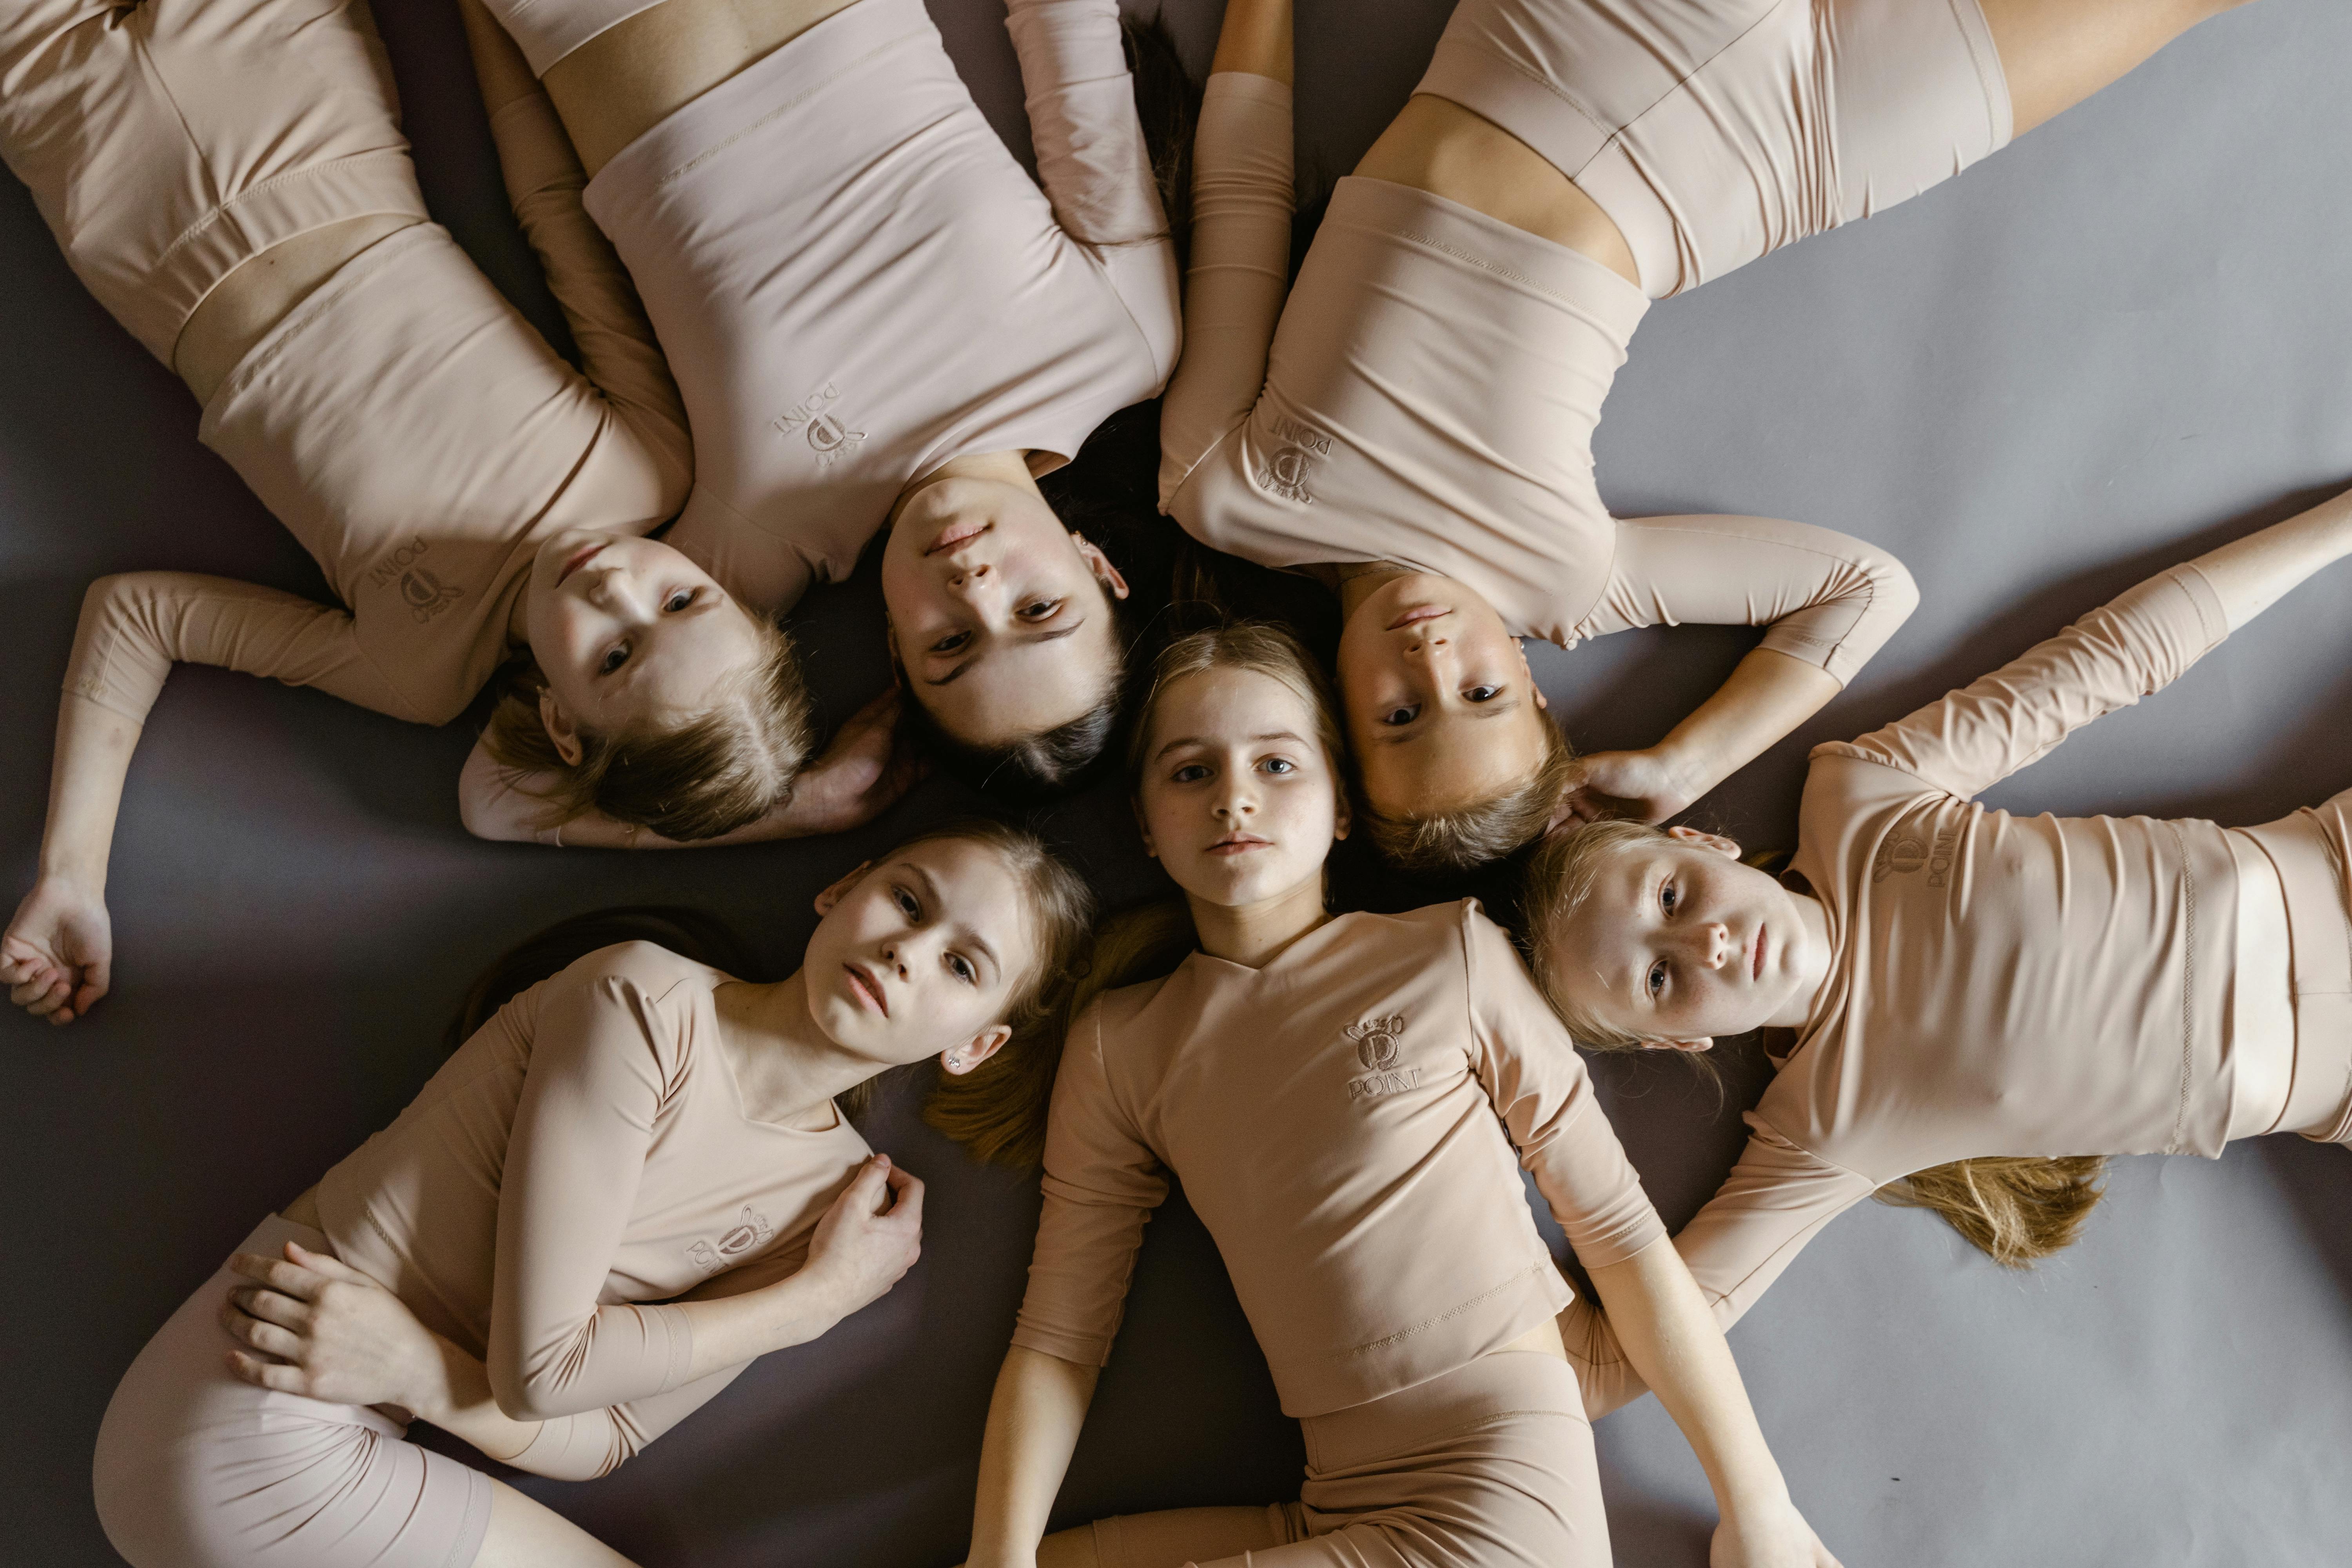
<point x="196" y="1469"/>
<point x="1490" y="1464"/>
<point x="2310" y="851"/>
<point x="169" y="142"/>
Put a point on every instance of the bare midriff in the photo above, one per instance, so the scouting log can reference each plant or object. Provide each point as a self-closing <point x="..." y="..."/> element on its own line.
<point x="632" y="76"/>
<point x="245" y="305"/>
<point x="1438" y="146"/>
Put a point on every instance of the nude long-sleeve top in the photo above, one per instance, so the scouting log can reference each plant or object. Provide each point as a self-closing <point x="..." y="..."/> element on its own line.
<point x="585" y="1153"/>
<point x="1998" y="984"/>
<point x="857" y="282"/>
<point x="419" y="439"/>
<point x="1349" y="1122"/>
<point x="1427" y="395"/>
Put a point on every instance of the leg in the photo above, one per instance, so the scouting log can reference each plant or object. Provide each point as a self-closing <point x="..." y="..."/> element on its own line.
<point x="2056" y="53"/>
<point x="525" y="1534"/>
<point x="1171" y="1538"/>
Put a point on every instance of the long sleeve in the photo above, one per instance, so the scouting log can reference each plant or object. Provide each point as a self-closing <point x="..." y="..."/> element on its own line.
<point x="583" y="1128"/>
<point x="617" y="347"/>
<point x="135" y="626"/>
<point x="1529" y="1068"/>
<point x="1101" y="1183"/>
<point x="1242" y="202"/>
<point x="1829" y="599"/>
<point x="2126" y="650"/>
<point x="1775" y="1200"/>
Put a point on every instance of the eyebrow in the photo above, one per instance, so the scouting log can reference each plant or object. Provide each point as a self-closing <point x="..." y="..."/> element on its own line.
<point x="931" y="886"/>
<point x="956" y="674"/>
<point x="1203" y="741"/>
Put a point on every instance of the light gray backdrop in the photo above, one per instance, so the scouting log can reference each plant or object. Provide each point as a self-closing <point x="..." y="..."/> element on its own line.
<point x="2121" y="341"/>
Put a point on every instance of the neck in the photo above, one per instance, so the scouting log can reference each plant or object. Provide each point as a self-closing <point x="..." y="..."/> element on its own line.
<point x="787" y="1069"/>
<point x="1799" y="1008"/>
<point x="1011" y="467"/>
<point x="1356" y="581"/>
<point x="1252" y="936"/>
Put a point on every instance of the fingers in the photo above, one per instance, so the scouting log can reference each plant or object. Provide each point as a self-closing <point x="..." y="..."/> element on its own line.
<point x="866" y="1190"/>
<point x="327" y="1265"/>
<point x="286" y="1279"/>
<point x="269" y="1375"/>
<point x="268" y="1338"/>
<point x="908" y="1189"/>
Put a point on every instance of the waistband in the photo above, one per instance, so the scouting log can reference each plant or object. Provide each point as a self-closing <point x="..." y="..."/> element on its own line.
<point x="1498" y="1386"/>
<point x="2311" y="872"/>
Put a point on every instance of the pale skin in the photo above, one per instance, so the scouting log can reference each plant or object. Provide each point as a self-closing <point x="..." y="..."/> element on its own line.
<point x="2056" y="53"/>
<point x="1679" y="944"/>
<point x="919" y="955"/>
<point x="1241" y="802"/>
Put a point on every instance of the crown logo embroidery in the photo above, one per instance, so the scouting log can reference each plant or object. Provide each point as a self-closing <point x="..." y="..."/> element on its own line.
<point x="752" y="1230"/>
<point x="814" y="417"/>
<point x="1376" y="1047"/>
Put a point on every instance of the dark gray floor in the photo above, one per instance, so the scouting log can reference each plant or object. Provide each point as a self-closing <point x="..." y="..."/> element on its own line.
<point x="2120" y="341"/>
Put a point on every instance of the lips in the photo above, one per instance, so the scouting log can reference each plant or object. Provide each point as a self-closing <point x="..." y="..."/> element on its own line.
<point x="956" y="538"/>
<point x="1756" y="966"/>
<point x="581" y="558"/>
<point x="1418" y="614"/>
<point x="866" y="988"/>
<point x="1239" y="844"/>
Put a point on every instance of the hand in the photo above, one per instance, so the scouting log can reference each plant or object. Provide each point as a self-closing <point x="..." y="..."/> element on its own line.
<point x="1770" y="1536"/>
<point x="860" y="1253"/>
<point x="1639" y="784"/>
<point x="58" y="955"/>
<point x="324" y="1329"/>
<point x="856" y="778"/>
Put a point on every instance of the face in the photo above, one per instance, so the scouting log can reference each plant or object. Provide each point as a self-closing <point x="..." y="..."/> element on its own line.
<point x="999" y="616"/>
<point x="1238" y="799"/>
<point x="919" y="955"/>
<point x="627" y="630"/>
<point x="1441" y="708"/>
<point x="1679" y="943"/>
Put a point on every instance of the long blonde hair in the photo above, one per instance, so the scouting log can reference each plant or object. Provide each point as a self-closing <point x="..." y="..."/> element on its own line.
<point x="2016" y="1209"/>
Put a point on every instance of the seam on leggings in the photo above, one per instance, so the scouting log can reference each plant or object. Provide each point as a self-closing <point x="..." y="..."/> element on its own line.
<point x="2187" y="987"/>
<point x="786" y="107"/>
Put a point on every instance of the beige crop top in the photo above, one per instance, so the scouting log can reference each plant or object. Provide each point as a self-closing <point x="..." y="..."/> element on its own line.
<point x="2000" y="985"/>
<point x="1349" y="1121"/>
<point x="1427" y="395"/>
<point x="419" y="439"/>
<point x="586" y="1151"/>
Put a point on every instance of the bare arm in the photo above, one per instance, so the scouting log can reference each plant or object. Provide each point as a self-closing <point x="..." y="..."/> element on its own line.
<point x="1033" y="1419"/>
<point x="2250" y="575"/>
<point x="1673" y="1343"/>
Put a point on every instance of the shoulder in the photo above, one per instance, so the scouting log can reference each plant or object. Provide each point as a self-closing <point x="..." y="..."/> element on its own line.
<point x="1119" y="1011"/>
<point x="634" y="991"/>
<point x="647" y="967"/>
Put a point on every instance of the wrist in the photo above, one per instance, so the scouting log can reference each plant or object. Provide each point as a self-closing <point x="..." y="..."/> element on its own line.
<point x="81" y="871"/>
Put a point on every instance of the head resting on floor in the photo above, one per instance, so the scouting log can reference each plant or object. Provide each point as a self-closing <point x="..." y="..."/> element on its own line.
<point x="652" y="694"/>
<point x="1457" y="764"/>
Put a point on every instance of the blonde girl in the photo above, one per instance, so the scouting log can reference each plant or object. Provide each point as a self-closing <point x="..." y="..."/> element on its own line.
<point x="628" y="1183"/>
<point x="1983" y="1005"/>
<point x="1347" y="1100"/>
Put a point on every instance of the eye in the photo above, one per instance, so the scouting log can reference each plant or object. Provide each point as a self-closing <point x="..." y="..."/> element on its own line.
<point x="678" y="600"/>
<point x="1279" y="765"/>
<point x="1668" y="896"/>
<point x="1402" y="715"/>
<point x="1482" y="694"/>
<point x="908" y="905"/>
<point x="961" y="968"/>
<point x="1191" y="773"/>
<point x="952" y="642"/>
<point x="615" y="657"/>
<point x="1039" y="609"/>
<point x="1656" y="980"/>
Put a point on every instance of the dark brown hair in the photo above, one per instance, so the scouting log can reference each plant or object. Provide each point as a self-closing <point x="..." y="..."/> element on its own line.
<point x="719" y="770"/>
<point x="1483" y="831"/>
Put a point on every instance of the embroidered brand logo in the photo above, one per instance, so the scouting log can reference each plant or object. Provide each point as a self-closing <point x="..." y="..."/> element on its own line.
<point x="1909" y="853"/>
<point x="1286" y="472"/>
<point x="388" y="571"/>
<point x="426" y="595"/>
<point x="1376" y="1047"/>
<point x="753" y="1230"/>
<point x="814" y="419"/>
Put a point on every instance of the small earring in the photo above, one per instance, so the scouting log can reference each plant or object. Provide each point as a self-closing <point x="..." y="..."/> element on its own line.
<point x="955" y="1058"/>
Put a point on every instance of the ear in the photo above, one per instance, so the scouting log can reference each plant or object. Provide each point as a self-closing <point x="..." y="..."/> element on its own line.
<point x="1345" y="816"/>
<point x="559" y="728"/>
<point x="976" y="1050"/>
<point x="1099" y="565"/>
<point x="1143" y="827"/>
<point x="1541" y="701"/>
<point x="1697" y="840"/>
<point x="1704" y="1043"/>
<point x="831" y="897"/>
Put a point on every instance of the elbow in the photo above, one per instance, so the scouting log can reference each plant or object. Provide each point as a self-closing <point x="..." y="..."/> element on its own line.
<point x="1895" y="593"/>
<point x="521" y="1396"/>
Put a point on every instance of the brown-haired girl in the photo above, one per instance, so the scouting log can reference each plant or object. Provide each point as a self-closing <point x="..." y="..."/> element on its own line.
<point x="229" y="178"/>
<point x="1416" y="431"/>
<point x="880" y="323"/>
<point x="638" y="1129"/>
<point x="1983" y="1004"/>
<point x="1347" y="1101"/>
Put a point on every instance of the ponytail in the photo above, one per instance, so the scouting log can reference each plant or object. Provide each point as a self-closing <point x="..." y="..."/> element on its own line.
<point x="2017" y="1210"/>
<point x="690" y="934"/>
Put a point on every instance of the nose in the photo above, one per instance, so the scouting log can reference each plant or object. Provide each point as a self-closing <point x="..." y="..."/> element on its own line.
<point x="1238" y="799"/>
<point x="1715" y="944"/>
<point x="894" y="957"/>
